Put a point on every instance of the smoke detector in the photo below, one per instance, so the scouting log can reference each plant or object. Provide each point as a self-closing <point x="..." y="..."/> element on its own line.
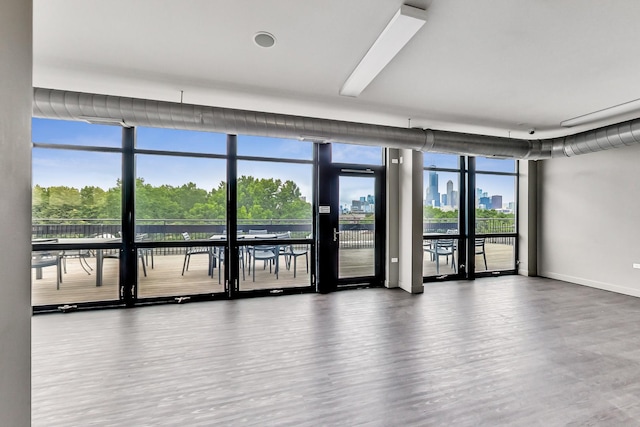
<point x="264" y="39"/>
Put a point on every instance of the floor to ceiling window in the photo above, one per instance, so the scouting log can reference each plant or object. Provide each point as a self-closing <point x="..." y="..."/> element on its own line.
<point x="451" y="248"/>
<point x="274" y="207"/>
<point x="442" y="199"/>
<point x="76" y="195"/>
<point x="495" y="214"/>
<point x="122" y="215"/>
<point x="180" y="194"/>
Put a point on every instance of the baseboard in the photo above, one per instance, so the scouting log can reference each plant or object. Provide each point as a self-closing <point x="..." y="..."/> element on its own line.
<point x="593" y="284"/>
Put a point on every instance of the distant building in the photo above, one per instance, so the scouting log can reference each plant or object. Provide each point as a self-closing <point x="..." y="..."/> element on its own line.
<point x="433" y="196"/>
<point x="496" y="202"/>
<point x="449" y="194"/>
<point x="484" y="203"/>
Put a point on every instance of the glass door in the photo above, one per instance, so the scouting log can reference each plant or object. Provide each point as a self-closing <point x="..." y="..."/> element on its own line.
<point x="350" y="218"/>
<point x="356" y="229"/>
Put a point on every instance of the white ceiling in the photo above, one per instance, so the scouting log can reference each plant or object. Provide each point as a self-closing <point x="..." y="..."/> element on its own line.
<point x="495" y="67"/>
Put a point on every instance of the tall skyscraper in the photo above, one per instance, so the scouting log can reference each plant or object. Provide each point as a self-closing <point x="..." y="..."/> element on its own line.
<point x="450" y="194"/>
<point x="496" y="202"/>
<point x="454" y="199"/>
<point x="484" y="203"/>
<point x="433" y="196"/>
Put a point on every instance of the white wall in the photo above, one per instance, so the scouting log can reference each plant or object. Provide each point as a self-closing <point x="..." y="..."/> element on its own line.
<point x="15" y="212"/>
<point x="589" y="219"/>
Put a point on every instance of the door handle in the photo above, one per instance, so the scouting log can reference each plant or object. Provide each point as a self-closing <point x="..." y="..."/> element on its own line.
<point x="335" y="234"/>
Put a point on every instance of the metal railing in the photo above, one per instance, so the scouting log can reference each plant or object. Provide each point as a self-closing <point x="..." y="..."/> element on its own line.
<point x="355" y="234"/>
<point x="483" y="226"/>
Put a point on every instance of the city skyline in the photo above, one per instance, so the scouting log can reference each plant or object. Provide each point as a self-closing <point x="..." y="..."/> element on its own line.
<point x="441" y="194"/>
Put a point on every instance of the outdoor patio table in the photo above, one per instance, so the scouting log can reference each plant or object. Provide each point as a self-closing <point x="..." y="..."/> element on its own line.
<point x="86" y="241"/>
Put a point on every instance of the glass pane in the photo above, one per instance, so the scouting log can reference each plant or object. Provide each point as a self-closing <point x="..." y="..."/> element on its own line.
<point x="495" y="165"/>
<point x="65" y="276"/>
<point x="260" y="146"/>
<point x="495" y="253"/>
<point x="180" y="271"/>
<point x="179" y="198"/>
<point x="75" y="133"/>
<point x="189" y="141"/>
<point x="356" y="256"/>
<point x="447" y="161"/>
<point x="441" y="202"/>
<point x="440" y="257"/>
<point x="357" y="154"/>
<point x="75" y="194"/>
<point x="274" y="202"/>
<point x="495" y="203"/>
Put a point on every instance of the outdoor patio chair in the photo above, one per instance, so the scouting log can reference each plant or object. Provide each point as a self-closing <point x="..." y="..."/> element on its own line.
<point x="116" y="255"/>
<point x="81" y="255"/>
<point x="266" y="253"/>
<point x="147" y="252"/>
<point x="249" y="248"/>
<point x="293" y="252"/>
<point x="442" y="247"/>
<point x="41" y="259"/>
<point x="479" y="250"/>
<point x="218" y="254"/>
<point x="258" y="232"/>
<point x="196" y="250"/>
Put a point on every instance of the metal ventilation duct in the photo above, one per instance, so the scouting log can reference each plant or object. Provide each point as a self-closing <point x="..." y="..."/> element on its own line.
<point x="56" y="104"/>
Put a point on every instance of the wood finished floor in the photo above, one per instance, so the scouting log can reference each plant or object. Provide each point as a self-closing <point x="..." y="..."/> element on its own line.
<point x="505" y="351"/>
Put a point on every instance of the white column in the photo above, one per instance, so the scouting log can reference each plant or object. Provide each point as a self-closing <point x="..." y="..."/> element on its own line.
<point x="410" y="221"/>
<point x="528" y="218"/>
<point x="392" y="240"/>
<point x="15" y="212"/>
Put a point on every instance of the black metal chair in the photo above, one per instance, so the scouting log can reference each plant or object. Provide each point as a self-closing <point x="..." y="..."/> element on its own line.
<point x="480" y="250"/>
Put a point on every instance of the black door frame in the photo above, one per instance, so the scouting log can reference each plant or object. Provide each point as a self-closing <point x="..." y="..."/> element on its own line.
<point x="328" y="219"/>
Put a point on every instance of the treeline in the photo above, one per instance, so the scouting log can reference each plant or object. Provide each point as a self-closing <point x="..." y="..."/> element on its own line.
<point x="257" y="199"/>
<point x="431" y="212"/>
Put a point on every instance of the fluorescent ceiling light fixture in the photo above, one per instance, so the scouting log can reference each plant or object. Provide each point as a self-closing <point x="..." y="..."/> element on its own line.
<point x="606" y="113"/>
<point x="402" y="27"/>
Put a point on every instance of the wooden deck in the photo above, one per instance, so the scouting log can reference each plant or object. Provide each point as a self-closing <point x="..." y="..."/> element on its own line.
<point x="165" y="279"/>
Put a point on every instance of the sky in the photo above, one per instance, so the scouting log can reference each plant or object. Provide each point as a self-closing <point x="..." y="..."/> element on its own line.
<point x="78" y="168"/>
